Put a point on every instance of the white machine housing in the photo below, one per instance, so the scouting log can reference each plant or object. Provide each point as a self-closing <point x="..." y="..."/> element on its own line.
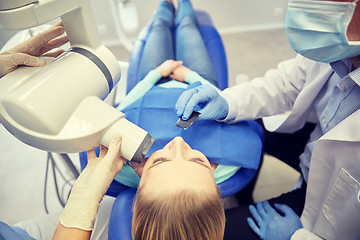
<point x="59" y="107"/>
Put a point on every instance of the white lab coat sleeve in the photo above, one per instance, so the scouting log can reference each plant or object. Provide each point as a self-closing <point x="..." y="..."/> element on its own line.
<point x="275" y="93"/>
<point x="304" y="234"/>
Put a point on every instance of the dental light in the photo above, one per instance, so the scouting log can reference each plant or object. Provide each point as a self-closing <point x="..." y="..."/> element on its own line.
<point x="59" y="107"/>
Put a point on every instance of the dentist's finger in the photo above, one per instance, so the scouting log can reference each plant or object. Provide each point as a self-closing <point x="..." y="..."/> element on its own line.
<point x="183" y="100"/>
<point x="55" y="43"/>
<point x="114" y="146"/>
<point x="200" y="97"/>
<point x="268" y="208"/>
<point x="261" y="210"/>
<point x="253" y="226"/>
<point x="255" y="214"/>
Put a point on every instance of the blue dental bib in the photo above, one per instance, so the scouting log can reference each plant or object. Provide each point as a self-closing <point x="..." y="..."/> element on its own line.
<point x="235" y="145"/>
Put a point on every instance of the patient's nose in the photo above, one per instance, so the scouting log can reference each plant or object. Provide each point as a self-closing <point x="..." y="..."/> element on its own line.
<point x="178" y="146"/>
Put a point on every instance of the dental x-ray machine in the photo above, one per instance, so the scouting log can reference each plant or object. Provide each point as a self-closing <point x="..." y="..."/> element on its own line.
<point x="59" y="107"/>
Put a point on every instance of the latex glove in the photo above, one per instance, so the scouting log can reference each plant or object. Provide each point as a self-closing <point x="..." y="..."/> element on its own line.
<point x="180" y="73"/>
<point x="270" y="225"/>
<point x="167" y="67"/>
<point x="90" y="187"/>
<point x="28" y="52"/>
<point x="204" y="99"/>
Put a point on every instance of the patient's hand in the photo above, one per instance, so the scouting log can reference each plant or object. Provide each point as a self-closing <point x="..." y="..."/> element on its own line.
<point x="168" y="67"/>
<point x="180" y="73"/>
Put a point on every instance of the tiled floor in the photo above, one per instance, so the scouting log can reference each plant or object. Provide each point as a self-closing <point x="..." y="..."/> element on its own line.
<point x="275" y="178"/>
<point x="23" y="168"/>
<point x="22" y="179"/>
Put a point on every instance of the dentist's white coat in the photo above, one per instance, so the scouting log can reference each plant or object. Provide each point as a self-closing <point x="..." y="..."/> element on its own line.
<point x="332" y="207"/>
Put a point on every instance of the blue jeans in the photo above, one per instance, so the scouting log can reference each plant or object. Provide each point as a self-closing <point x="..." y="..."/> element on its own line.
<point x="183" y="32"/>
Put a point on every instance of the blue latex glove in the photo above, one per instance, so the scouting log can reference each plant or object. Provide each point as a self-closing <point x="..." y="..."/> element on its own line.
<point x="270" y="225"/>
<point x="204" y="99"/>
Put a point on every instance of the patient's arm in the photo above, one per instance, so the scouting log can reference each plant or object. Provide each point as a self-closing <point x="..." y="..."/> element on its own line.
<point x="149" y="81"/>
<point x="140" y="89"/>
<point x="184" y="74"/>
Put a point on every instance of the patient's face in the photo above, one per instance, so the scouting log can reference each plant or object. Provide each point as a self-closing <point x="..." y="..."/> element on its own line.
<point x="175" y="167"/>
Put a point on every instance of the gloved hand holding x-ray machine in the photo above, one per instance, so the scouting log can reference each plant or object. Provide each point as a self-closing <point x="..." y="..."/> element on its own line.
<point x="58" y="107"/>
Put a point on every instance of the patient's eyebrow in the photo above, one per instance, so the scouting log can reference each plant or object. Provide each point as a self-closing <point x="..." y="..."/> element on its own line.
<point x="195" y="160"/>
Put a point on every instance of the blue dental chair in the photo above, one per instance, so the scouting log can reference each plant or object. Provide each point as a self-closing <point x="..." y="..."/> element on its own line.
<point x="121" y="214"/>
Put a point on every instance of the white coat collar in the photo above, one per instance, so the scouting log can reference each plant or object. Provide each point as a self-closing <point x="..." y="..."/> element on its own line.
<point x="346" y="130"/>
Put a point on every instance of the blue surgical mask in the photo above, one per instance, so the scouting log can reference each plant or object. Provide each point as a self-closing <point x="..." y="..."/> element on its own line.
<point x="317" y="29"/>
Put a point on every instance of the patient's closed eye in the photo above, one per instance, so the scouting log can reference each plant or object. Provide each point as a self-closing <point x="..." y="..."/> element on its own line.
<point x="159" y="160"/>
<point x="197" y="159"/>
<point x="162" y="159"/>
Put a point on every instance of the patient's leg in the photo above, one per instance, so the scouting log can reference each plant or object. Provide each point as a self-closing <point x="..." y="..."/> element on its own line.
<point x="189" y="44"/>
<point x="159" y="43"/>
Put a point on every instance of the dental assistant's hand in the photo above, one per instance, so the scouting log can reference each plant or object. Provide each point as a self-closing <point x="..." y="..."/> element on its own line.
<point x="180" y="73"/>
<point x="167" y="67"/>
<point x="28" y="52"/>
<point x="90" y="187"/>
<point x="270" y="225"/>
<point x="204" y="99"/>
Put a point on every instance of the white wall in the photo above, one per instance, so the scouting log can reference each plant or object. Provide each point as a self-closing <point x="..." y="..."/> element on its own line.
<point x="229" y="16"/>
<point x="5" y="35"/>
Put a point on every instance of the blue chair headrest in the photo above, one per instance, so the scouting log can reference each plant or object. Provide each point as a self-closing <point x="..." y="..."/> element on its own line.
<point x="121" y="216"/>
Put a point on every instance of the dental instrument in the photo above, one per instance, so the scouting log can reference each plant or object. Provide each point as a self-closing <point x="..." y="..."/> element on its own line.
<point x="58" y="107"/>
<point x="185" y="124"/>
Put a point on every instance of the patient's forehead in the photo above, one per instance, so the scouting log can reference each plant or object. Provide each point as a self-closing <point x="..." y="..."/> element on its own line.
<point x="171" y="176"/>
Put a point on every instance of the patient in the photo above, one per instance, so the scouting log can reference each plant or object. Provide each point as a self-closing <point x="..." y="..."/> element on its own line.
<point x="177" y="196"/>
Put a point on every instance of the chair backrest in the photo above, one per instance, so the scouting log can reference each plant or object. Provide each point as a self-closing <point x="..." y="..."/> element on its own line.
<point x="121" y="216"/>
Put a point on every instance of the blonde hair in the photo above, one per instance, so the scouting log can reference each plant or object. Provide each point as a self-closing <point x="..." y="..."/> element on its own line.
<point x="183" y="215"/>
